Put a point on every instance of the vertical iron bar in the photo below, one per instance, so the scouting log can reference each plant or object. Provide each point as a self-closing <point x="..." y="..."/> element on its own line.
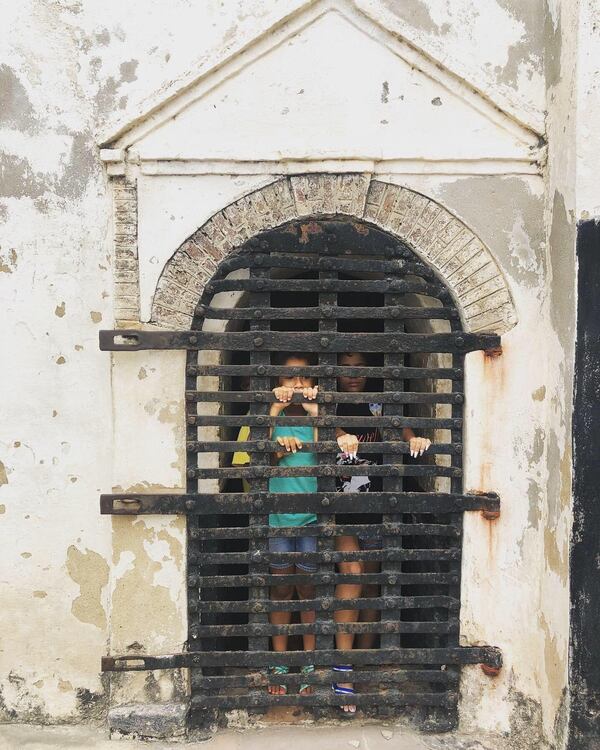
<point x="258" y="546"/>
<point x="326" y="544"/>
<point x="392" y="484"/>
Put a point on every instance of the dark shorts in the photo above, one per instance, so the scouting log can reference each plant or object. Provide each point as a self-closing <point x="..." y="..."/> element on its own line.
<point x="294" y="544"/>
<point x="370" y="542"/>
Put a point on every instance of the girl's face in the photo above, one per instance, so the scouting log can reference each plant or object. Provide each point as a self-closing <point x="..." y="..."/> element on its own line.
<point x="297" y="382"/>
<point x="348" y="384"/>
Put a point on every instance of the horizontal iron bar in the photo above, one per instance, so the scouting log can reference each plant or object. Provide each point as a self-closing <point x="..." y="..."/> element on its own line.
<point x="325" y="677"/>
<point x="386" y="554"/>
<point x="317" y="371"/>
<point x="217" y="420"/>
<point x="326" y="470"/>
<point x="307" y="261"/>
<point x="391" y="397"/>
<point x="324" y="698"/>
<point x="324" y="604"/>
<point x="324" y="628"/>
<point x="317" y="579"/>
<point x="335" y="237"/>
<point x="291" y="341"/>
<point x="316" y="529"/>
<point x="334" y="502"/>
<point x="327" y="313"/>
<point x="271" y="446"/>
<point x="398" y="286"/>
<point x="326" y="657"/>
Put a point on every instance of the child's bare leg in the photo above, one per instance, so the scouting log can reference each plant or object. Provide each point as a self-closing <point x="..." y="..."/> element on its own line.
<point x="371" y="590"/>
<point x="307" y="617"/>
<point x="345" y="641"/>
<point x="280" y="593"/>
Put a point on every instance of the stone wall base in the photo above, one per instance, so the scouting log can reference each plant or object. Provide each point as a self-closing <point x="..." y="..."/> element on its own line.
<point x="149" y="720"/>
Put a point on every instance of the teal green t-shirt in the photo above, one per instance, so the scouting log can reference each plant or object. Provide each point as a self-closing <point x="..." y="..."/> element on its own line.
<point x="294" y="484"/>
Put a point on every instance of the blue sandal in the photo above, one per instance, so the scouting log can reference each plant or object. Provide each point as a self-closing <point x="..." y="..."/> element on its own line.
<point x="339" y="690"/>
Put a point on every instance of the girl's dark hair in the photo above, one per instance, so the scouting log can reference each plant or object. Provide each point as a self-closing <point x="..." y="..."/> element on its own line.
<point x="280" y="358"/>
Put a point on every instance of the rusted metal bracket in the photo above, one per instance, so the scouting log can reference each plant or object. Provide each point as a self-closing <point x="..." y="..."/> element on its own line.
<point x="346" y="502"/>
<point x="131" y="340"/>
<point x="491" y="656"/>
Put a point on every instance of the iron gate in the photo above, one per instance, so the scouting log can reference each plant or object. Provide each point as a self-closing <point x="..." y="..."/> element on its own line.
<point x="324" y="287"/>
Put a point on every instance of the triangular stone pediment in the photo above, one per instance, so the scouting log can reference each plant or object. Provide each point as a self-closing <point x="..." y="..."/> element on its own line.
<point x="331" y="84"/>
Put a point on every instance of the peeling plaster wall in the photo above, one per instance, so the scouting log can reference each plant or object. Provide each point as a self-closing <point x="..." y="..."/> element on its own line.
<point x="77" y="422"/>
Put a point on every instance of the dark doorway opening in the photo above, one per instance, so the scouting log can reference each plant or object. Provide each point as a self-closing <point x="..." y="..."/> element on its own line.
<point x="330" y="287"/>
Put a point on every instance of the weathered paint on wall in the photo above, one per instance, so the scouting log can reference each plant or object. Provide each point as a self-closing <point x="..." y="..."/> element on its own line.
<point x="76" y="423"/>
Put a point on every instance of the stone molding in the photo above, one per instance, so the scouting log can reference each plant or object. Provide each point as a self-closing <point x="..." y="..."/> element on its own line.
<point x="438" y="237"/>
<point x="126" y="266"/>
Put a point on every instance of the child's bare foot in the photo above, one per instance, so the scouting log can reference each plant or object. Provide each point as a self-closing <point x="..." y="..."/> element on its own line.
<point x="305" y="688"/>
<point x="280" y="669"/>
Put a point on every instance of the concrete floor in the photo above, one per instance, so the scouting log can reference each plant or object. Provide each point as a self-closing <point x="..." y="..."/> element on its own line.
<point x="372" y="737"/>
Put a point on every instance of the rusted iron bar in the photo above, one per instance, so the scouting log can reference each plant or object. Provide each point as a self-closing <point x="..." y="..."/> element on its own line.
<point x="271" y="446"/>
<point x="326" y="677"/>
<point x="398" y="397"/>
<point x="317" y="371"/>
<point x="290" y="341"/>
<point x="217" y="420"/>
<point x="398" y="657"/>
<point x="402" y="312"/>
<point x="328" y="470"/>
<point x="393" y="553"/>
<point x="329" y="604"/>
<point x="242" y="581"/>
<point x="340" y="502"/>
<point x="328" y="529"/>
<point x="310" y="261"/>
<point x="400" y="286"/>
<point x="328" y="628"/>
<point x="264" y="699"/>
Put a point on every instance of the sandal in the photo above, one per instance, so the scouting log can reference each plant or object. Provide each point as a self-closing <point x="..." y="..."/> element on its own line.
<point x="339" y="690"/>
<point x="279" y="669"/>
<point x="307" y="669"/>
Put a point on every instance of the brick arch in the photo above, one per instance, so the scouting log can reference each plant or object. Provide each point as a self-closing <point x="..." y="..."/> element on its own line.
<point x="437" y="236"/>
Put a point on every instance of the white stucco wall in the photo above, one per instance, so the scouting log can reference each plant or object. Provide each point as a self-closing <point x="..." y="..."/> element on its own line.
<point x="77" y="421"/>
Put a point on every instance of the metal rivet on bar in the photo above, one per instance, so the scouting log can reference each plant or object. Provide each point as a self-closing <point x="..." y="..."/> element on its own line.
<point x="190" y="504"/>
<point x="324" y="342"/>
<point x="258" y="503"/>
<point x="193" y="339"/>
<point x="459" y="398"/>
<point x="329" y="370"/>
<point x="261" y="369"/>
<point x="258" y="313"/>
<point x="258" y="341"/>
<point x="326" y="603"/>
<point x="191" y="420"/>
<point x="191" y="473"/>
<point x="325" y="501"/>
<point x="393" y="501"/>
<point x="260" y="420"/>
<point x="328" y="398"/>
<point x="460" y="341"/>
<point x="260" y="283"/>
<point x="261" y="445"/>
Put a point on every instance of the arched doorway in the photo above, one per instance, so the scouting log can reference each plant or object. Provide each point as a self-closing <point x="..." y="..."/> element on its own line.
<point x="325" y="284"/>
<point x="328" y="287"/>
